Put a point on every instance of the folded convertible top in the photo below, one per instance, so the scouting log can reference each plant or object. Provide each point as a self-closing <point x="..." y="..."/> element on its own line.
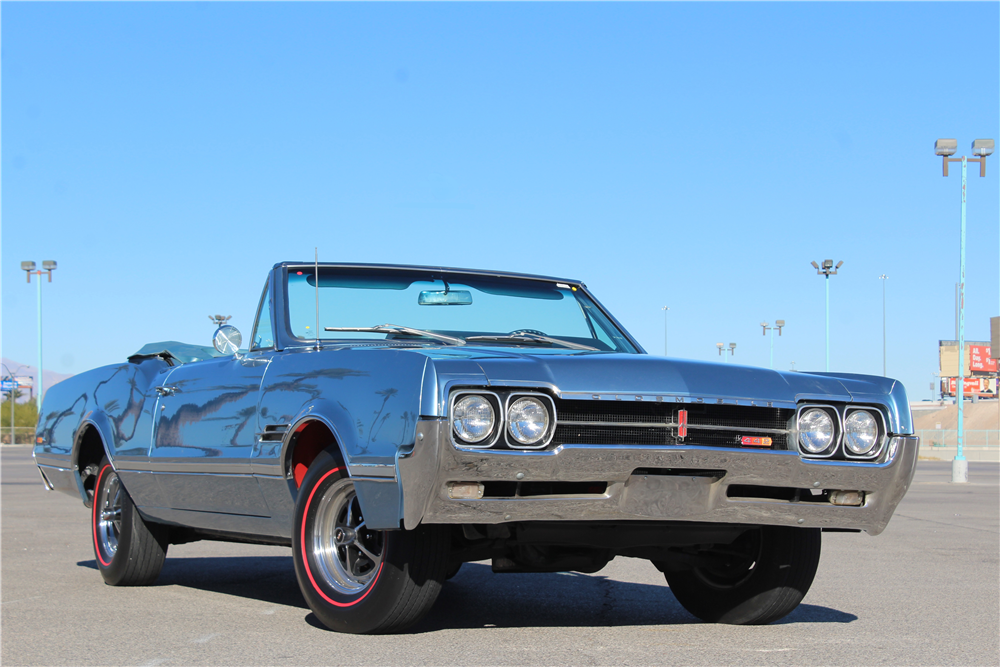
<point x="174" y="352"/>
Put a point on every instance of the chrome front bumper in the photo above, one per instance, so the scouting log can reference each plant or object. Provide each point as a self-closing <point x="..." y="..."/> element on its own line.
<point x="434" y="464"/>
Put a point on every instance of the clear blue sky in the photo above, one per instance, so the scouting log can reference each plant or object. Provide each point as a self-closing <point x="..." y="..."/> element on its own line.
<point x="697" y="156"/>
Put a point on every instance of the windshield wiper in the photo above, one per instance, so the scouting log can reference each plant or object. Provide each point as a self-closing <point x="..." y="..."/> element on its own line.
<point x="534" y="338"/>
<point x="395" y="328"/>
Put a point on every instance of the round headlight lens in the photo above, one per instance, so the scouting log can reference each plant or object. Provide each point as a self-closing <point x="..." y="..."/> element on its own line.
<point x="816" y="431"/>
<point x="860" y="432"/>
<point x="473" y="418"/>
<point x="527" y="420"/>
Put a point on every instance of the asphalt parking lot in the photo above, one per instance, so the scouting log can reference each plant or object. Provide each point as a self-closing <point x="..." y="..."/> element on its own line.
<point x="924" y="592"/>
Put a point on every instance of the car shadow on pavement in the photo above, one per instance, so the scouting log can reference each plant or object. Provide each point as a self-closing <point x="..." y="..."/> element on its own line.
<point x="263" y="578"/>
<point x="475" y="598"/>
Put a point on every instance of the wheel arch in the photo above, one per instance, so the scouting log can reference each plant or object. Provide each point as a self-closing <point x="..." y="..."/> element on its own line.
<point x="306" y="438"/>
<point x="314" y="432"/>
<point x="90" y="446"/>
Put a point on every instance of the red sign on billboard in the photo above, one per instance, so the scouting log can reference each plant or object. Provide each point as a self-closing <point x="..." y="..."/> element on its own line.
<point x="980" y="359"/>
<point x="972" y="386"/>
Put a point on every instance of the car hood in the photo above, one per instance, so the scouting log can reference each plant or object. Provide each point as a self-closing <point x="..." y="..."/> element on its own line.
<point x="572" y="372"/>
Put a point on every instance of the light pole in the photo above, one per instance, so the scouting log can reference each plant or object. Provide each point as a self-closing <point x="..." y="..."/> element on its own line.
<point x="722" y="350"/>
<point x="828" y="269"/>
<point x="946" y="148"/>
<point x="883" y="278"/>
<point x="778" y="324"/>
<point x="664" y="309"/>
<point x="48" y="266"/>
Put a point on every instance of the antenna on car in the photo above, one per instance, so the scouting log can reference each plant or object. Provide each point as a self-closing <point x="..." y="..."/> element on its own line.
<point x="316" y="259"/>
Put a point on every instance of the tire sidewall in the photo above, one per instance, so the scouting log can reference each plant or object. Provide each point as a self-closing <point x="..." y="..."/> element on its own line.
<point x="786" y="565"/>
<point x="113" y="569"/>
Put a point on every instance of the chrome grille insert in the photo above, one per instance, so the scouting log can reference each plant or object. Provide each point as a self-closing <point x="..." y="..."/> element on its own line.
<point x="639" y="423"/>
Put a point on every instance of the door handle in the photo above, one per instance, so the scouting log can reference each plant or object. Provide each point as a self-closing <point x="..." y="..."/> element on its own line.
<point x="166" y="391"/>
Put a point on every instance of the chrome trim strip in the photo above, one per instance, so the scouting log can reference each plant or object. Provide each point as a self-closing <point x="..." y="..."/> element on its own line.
<point x="640" y="397"/>
<point x="667" y="425"/>
<point x="371" y="470"/>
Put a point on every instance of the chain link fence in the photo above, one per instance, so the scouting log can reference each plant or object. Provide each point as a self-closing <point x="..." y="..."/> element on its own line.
<point x="977" y="445"/>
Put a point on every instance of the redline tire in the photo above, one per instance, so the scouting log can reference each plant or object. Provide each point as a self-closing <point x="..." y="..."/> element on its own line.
<point x="772" y="571"/>
<point x="355" y="580"/>
<point x="128" y="551"/>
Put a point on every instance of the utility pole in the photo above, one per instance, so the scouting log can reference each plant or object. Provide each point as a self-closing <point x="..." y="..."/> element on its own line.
<point x="828" y="269"/>
<point x="48" y="266"/>
<point x="946" y="148"/>
<point x="664" y="309"/>
<point x="778" y="324"/>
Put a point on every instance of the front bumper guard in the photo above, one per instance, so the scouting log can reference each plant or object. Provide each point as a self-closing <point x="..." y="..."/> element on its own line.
<point x="426" y="472"/>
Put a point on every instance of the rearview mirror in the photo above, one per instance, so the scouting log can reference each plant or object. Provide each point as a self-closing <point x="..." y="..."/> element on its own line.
<point x="457" y="297"/>
<point x="227" y="339"/>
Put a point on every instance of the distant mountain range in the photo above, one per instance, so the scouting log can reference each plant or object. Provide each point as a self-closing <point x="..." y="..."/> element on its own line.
<point x="49" y="378"/>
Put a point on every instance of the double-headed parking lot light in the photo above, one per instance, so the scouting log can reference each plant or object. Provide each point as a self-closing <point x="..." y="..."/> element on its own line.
<point x="778" y="324"/>
<point x="945" y="148"/>
<point x="48" y="266"/>
<point x="828" y="269"/>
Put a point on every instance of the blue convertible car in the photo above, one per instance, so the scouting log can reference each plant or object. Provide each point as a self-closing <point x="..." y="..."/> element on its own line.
<point x="392" y="422"/>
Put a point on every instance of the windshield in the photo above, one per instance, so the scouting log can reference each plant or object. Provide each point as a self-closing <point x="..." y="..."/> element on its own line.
<point x="452" y="304"/>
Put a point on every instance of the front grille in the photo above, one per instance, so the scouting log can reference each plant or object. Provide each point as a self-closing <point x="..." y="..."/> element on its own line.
<point x="635" y="423"/>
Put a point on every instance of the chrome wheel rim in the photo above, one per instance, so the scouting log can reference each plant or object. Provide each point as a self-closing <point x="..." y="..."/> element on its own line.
<point x="348" y="555"/>
<point x="109" y="521"/>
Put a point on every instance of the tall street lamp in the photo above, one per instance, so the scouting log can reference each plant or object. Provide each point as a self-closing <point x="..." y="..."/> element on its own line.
<point x="723" y="351"/>
<point x="664" y="309"/>
<point x="946" y="148"/>
<point x="778" y="324"/>
<point x="48" y="266"/>
<point x="828" y="269"/>
<point x="883" y="278"/>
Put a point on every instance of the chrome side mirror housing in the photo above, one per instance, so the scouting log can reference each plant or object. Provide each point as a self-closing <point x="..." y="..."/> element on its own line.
<point x="227" y="339"/>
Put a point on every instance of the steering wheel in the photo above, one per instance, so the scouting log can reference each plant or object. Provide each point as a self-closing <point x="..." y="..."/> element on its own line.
<point x="536" y="332"/>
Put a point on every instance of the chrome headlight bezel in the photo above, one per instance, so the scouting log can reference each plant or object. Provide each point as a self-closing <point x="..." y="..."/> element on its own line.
<point x="838" y="428"/>
<point x="498" y="420"/>
<point x="880" y="433"/>
<point x="550" y="427"/>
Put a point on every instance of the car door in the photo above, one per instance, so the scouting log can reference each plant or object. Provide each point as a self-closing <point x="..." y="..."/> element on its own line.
<point x="204" y="434"/>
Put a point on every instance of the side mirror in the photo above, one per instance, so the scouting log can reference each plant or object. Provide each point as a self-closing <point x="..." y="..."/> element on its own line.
<point x="227" y="339"/>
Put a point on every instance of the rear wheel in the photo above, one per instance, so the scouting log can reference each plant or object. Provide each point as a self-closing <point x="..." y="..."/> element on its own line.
<point x="761" y="577"/>
<point x="354" y="579"/>
<point x="129" y="551"/>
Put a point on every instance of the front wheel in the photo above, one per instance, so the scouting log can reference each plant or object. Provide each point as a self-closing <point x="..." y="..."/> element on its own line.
<point x="761" y="577"/>
<point x="129" y="551"/>
<point x="354" y="579"/>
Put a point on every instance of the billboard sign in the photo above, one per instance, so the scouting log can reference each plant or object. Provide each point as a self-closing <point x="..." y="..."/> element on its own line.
<point x="972" y="386"/>
<point x="981" y="359"/>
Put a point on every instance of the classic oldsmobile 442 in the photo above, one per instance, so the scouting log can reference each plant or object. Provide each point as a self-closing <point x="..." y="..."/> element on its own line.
<point x="392" y="422"/>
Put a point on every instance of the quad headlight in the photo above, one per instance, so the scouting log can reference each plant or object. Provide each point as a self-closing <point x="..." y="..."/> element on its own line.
<point x="861" y="434"/>
<point x="817" y="431"/>
<point x="527" y="421"/>
<point x="506" y="419"/>
<point x="473" y="418"/>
